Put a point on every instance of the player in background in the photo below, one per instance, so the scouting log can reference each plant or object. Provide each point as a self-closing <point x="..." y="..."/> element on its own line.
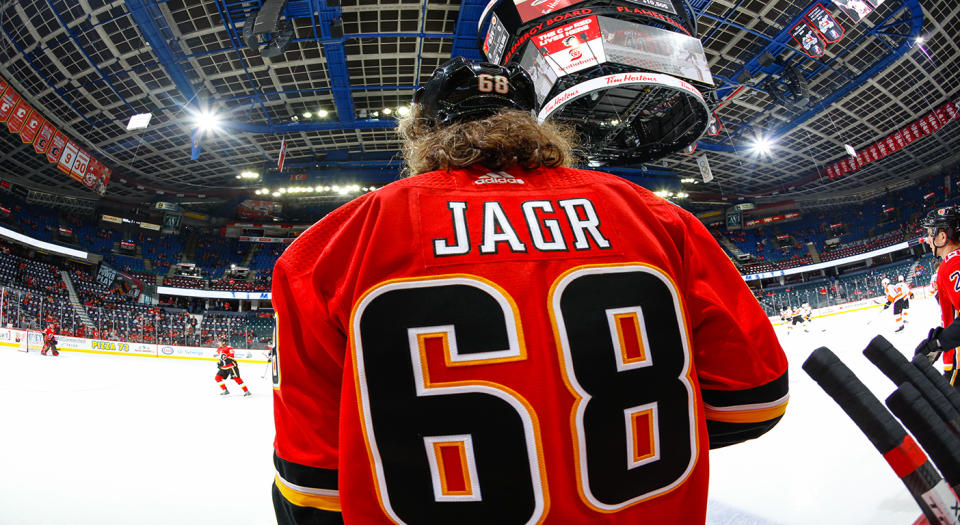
<point x="807" y="312"/>
<point x="943" y="236"/>
<point x="227" y="366"/>
<point x="501" y="339"/>
<point x="905" y="295"/>
<point x="49" y="340"/>
<point x="895" y="298"/>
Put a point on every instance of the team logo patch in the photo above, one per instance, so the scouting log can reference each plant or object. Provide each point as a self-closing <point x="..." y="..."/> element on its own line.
<point x="499" y="177"/>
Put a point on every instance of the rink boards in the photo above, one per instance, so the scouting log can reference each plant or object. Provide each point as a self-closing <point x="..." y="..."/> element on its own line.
<point x="24" y="340"/>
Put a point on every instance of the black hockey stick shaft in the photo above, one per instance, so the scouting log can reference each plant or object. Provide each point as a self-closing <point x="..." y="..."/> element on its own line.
<point x="895" y="366"/>
<point x="926" y="368"/>
<point x="940" y="443"/>
<point x="901" y="452"/>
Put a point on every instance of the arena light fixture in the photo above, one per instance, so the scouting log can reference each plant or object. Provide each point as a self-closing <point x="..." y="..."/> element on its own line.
<point x="762" y="146"/>
<point x="387" y="111"/>
<point x="682" y="195"/>
<point x="307" y="114"/>
<point x="207" y="120"/>
<point x="322" y="113"/>
<point x="249" y="175"/>
<point x="850" y="151"/>
<point x="403" y="111"/>
<point x="688" y="181"/>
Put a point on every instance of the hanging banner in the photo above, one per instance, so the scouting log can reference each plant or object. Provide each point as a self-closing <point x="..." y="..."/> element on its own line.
<point x="857" y="10"/>
<point x="57" y="144"/>
<point x="18" y="116"/>
<point x="810" y="41"/>
<point x="825" y="24"/>
<point x="80" y="166"/>
<point x="704" y="166"/>
<point x="68" y="157"/>
<point x="43" y="137"/>
<point x="92" y="174"/>
<point x="8" y="100"/>
<point x="926" y="125"/>
<point x="104" y="179"/>
<point x="30" y="127"/>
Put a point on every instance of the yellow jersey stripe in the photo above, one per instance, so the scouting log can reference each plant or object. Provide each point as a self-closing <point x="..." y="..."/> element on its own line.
<point x="324" y="499"/>
<point x="744" y="414"/>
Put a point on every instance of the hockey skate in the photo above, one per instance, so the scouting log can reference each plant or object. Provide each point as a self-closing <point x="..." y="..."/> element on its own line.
<point x="225" y="393"/>
<point x="899" y="328"/>
<point x="247" y="393"/>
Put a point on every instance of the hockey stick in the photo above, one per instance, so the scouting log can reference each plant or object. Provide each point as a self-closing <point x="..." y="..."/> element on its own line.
<point x="939" y="442"/>
<point x="874" y="318"/>
<point x="264" y="374"/>
<point x="901" y="452"/>
<point x="926" y="368"/>
<point x="892" y="363"/>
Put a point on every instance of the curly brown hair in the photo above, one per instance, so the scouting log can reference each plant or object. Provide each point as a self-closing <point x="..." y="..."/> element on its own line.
<point x="508" y="139"/>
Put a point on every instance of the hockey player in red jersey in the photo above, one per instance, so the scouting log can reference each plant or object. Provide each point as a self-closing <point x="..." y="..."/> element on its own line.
<point x="502" y="339"/>
<point x="943" y="237"/>
<point x="49" y="340"/>
<point x="226" y="367"/>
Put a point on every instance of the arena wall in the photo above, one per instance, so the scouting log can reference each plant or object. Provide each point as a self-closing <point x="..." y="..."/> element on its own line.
<point x="32" y="341"/>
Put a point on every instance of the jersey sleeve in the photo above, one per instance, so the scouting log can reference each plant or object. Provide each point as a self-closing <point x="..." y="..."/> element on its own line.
<point x="740" y="365"/>
<point x="307" y="381"/>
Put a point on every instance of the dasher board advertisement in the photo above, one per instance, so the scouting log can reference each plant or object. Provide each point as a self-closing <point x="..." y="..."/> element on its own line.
<point x="654" y="49"/>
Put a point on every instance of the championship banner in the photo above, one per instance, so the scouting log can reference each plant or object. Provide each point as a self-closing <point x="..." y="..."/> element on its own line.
<point x="30" y="128"/>
<point x="928" y="124"/>
<point x="79" y="167"/>
<point x="857" y="10"/>
<point x="810" y="41"/>
<point x="93" y="172"/>
<point x="3" y="84"/>
<point x="8" y="100"/>
<point x="825" y="24"/>
<point x="704" y="166"/>
<point x="42" y="141"/>
<point x="68" y="157"/>
<point x="19" y="116"/>
<point x="57" y="143"/>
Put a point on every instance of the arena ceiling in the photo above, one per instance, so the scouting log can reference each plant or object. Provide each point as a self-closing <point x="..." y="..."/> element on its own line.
<point x="89" y="65"/>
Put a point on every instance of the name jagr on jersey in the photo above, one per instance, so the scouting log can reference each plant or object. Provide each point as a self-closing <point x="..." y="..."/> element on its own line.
<point x="512" y="226"/>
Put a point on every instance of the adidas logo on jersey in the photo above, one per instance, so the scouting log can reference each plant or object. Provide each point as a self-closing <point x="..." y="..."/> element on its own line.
<point x="499" y="177"/>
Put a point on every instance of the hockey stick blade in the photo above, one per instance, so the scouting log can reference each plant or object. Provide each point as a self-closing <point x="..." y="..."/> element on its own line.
<point x="895" y="366"/>
<point x="901" y="452"/>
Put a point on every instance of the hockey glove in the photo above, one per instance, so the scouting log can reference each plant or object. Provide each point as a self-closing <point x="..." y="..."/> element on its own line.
<point x="930" y="347"/>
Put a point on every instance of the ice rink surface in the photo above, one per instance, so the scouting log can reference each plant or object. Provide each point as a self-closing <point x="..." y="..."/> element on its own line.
<point x="96" y="439"/>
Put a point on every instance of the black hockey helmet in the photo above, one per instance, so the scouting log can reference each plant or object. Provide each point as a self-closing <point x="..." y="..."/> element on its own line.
<point x="942" y="219"/>
<point x="461" y="91"/>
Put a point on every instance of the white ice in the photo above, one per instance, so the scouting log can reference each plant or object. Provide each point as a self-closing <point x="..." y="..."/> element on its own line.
<point x="96" y="439"/>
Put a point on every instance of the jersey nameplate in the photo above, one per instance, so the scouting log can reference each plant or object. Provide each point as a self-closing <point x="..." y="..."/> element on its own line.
<point x="485" y="229"/>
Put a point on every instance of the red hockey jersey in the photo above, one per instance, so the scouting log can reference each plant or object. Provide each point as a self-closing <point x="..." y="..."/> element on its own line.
<point x="948" y="294"/>
<point x="556" y="346"/>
